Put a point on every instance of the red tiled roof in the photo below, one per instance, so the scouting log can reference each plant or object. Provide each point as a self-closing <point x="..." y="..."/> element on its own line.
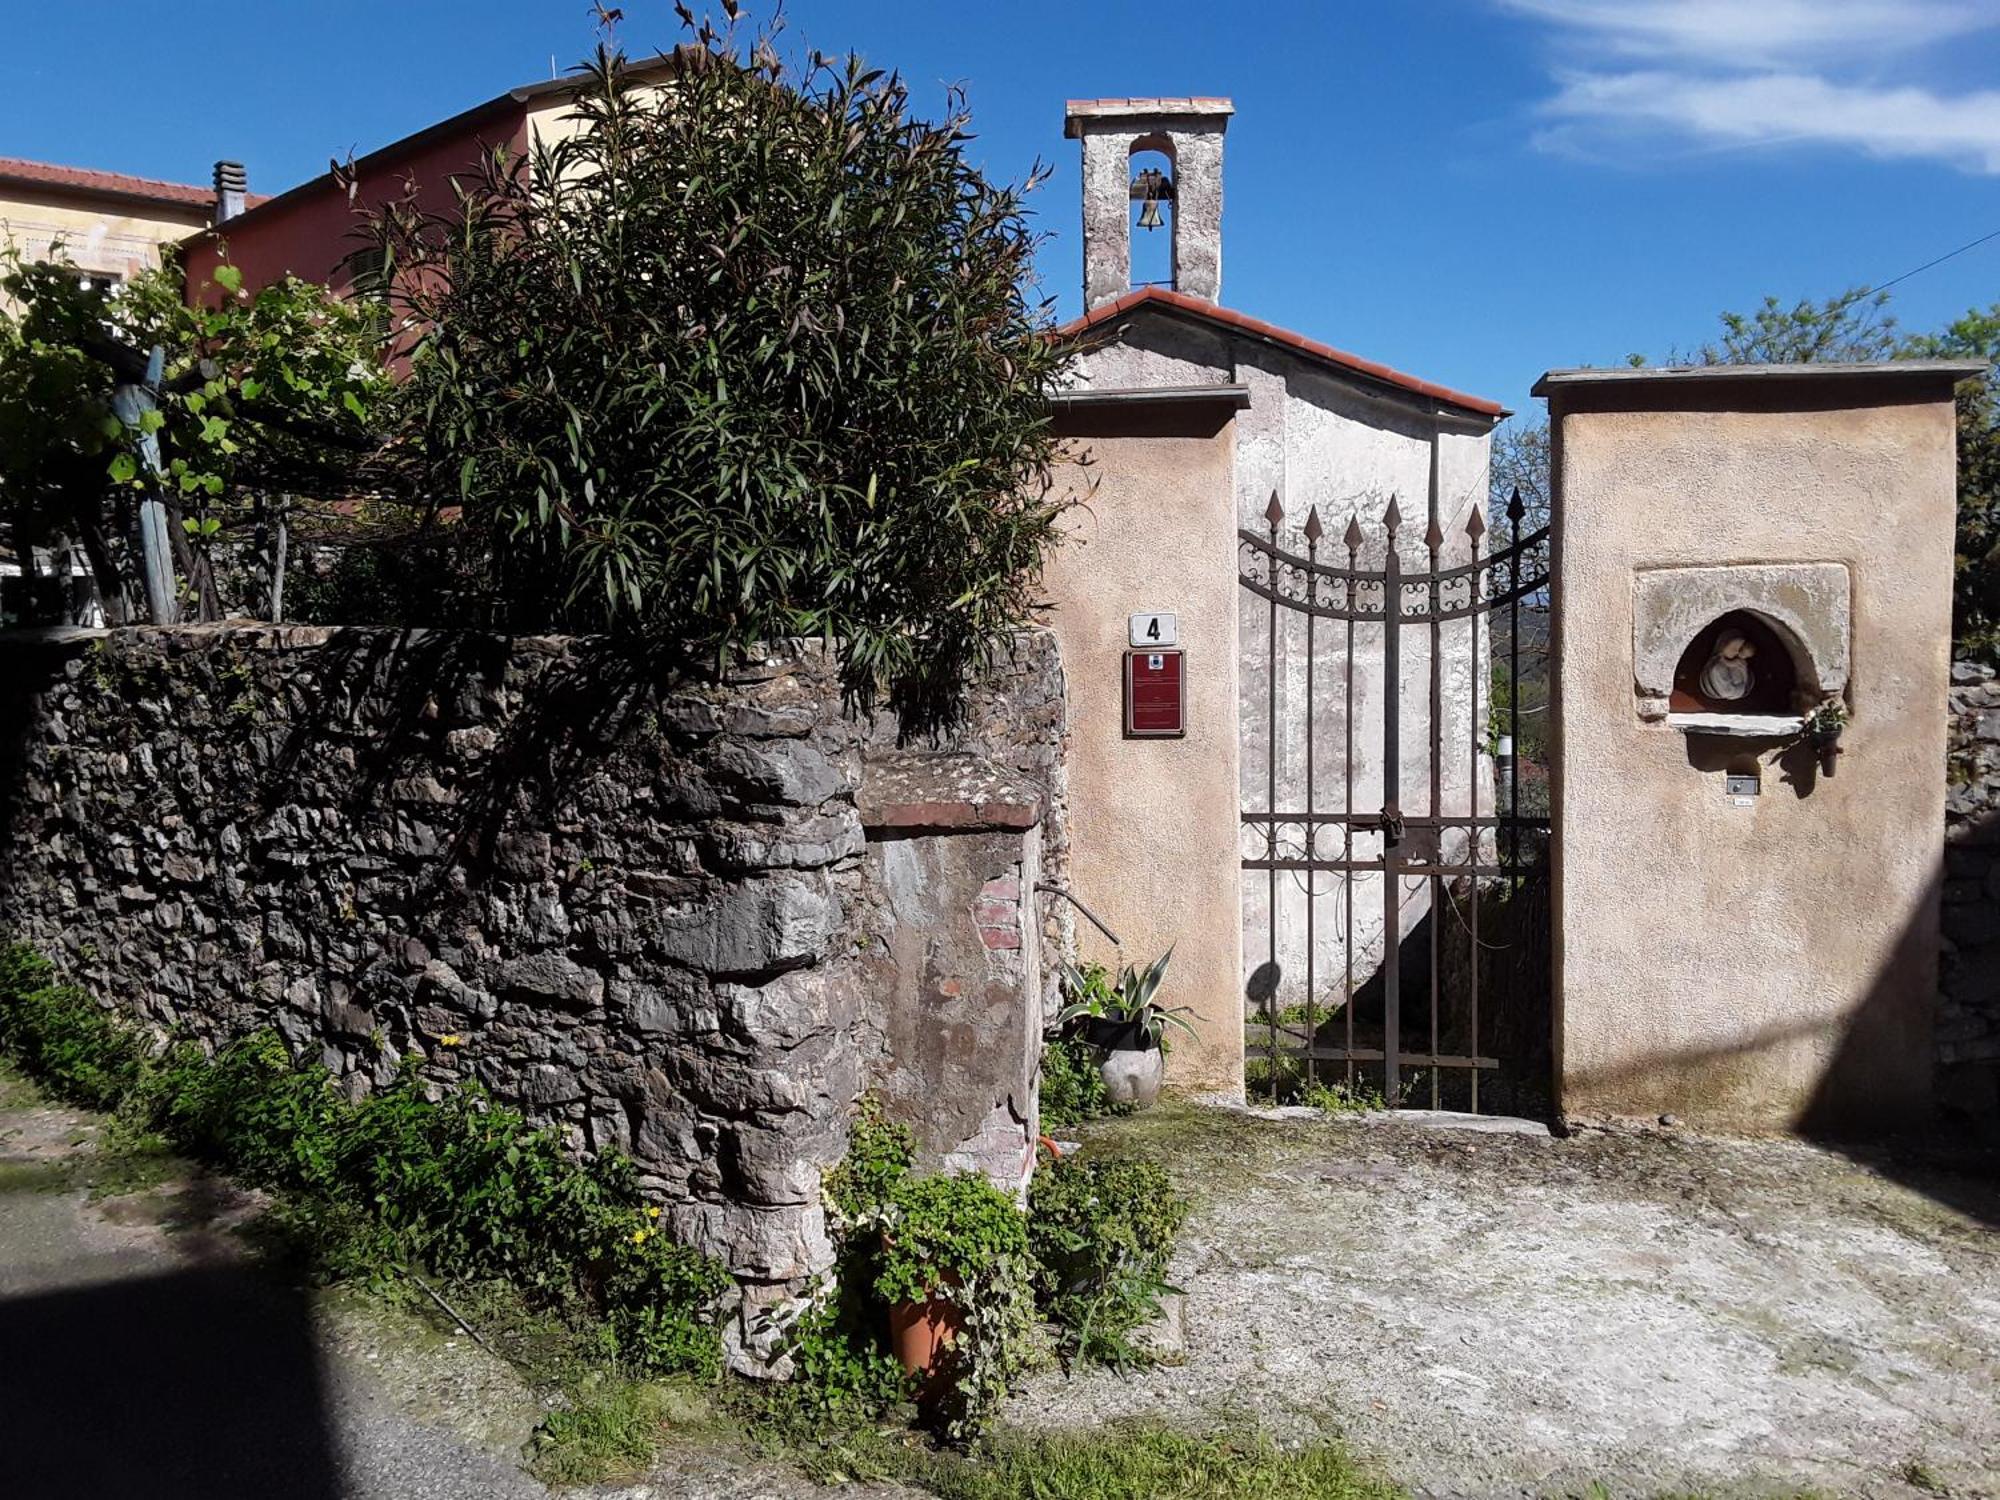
<point x="1270" y="333"/>
<point x="84" y="180"/>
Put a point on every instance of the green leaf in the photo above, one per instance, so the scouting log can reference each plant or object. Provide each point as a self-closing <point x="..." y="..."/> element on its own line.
<point x="229" y="278"/>
<point x="124" y="469"/>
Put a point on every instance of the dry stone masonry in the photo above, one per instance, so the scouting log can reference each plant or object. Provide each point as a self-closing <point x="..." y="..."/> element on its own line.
<point x="639" y="908"/>
<point x="1968" y="1026"/>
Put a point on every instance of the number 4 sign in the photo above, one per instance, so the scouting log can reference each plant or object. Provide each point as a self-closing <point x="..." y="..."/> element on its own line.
<point x="1157" y="629"/>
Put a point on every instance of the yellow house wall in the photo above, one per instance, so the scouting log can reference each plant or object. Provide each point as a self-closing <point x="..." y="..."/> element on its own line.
<point x="118" y="239"/>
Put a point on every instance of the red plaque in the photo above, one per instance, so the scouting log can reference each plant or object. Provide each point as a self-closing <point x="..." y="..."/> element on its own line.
<point x="1154" y="701"/>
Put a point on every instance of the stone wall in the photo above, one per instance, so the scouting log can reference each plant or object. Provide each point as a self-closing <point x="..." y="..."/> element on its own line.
<point x="1968" y="1025"/>
<point x="636" y="907"/>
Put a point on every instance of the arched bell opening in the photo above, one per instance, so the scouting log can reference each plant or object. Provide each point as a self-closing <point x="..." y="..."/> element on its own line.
<point x="1153" y="224"/>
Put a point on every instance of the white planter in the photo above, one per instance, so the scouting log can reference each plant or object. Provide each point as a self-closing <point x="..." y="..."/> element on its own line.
<point x="1133" y="1076"/>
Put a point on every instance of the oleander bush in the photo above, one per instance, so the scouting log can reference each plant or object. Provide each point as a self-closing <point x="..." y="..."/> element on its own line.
<point x="752" y="352"/>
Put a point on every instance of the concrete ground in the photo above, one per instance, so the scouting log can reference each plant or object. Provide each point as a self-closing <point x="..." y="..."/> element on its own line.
<point x="1511" y="1314"/>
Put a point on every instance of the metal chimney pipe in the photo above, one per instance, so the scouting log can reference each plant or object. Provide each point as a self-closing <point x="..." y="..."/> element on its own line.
<point x="232" y="187"/>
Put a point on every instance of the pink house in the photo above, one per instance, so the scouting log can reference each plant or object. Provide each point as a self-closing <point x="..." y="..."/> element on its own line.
<point x="311" y="230"/>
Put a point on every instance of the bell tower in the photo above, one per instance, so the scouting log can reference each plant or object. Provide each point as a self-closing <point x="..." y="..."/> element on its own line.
<point x="1185" y="197"/>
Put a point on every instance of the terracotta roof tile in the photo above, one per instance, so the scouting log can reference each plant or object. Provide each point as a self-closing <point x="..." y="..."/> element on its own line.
<point x="85" y="180"/>
<point x="1282" y="337"/>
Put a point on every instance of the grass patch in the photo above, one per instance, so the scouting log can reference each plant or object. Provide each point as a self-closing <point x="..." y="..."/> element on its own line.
<point x="1150" y="1461"/>
<point x="1343" y="1098"/>
<point x="612" y="1429"/>
<point x="123" y="1161"/>
<point x="35" y="1177"/>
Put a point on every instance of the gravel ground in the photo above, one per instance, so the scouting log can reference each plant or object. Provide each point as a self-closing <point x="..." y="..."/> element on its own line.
<point x="1501" y="1314"/>
<point x="1480" y="1313"/>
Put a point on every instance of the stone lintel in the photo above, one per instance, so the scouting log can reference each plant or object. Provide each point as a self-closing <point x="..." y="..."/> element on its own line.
<point x="908" y="791"/>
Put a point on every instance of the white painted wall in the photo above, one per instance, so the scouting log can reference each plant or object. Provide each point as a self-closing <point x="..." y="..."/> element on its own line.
<point x="1319" y="439"/>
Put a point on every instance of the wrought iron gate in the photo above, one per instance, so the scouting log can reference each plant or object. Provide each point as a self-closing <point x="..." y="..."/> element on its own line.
<point x="1470" y="850"/>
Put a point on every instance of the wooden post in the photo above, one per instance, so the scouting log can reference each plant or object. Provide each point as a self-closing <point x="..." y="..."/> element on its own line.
<point x="130" y="403"/>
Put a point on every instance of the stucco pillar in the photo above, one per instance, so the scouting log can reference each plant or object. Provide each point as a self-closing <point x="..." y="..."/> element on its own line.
<point x="1746" y="933"/>
<point x="1189" y="133"/>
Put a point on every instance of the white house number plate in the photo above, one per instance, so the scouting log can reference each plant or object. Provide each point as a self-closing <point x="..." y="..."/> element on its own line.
<point x="1156" y="630"/>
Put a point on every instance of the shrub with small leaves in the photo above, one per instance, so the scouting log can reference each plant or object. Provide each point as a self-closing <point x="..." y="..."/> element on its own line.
<point x="1073" y="1091"/>
<point x="456" y="1183"/>
<point x="1101" y="1234"/>
<point x="80" y="1051"/>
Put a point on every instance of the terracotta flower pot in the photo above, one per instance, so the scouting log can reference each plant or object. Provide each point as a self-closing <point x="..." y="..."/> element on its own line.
<point x="920" y="1331"/>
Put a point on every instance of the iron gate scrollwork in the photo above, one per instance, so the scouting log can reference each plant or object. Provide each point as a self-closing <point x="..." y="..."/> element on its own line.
<point x="1463" y="842"/>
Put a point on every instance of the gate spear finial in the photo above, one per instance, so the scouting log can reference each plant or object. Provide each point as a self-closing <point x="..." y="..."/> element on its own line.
<point x="1475" y="524"/>
<point x="1515" y="509"/>
<point x="1314" y="531"/>
<point x="1353" y="537"/>
<point x="1274" y="512"/>
<point x="1392" y="518"/>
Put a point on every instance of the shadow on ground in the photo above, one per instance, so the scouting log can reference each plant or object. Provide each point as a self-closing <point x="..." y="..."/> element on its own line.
<point x="197" y="1383"/>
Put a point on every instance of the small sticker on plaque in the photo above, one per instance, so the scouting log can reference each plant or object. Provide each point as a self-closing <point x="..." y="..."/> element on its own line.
<point x="1741" y="786"/>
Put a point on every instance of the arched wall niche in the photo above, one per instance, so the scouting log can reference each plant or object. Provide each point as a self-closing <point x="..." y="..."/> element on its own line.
<point x="1765" y="679"/>
<point x="1797" y="615"/>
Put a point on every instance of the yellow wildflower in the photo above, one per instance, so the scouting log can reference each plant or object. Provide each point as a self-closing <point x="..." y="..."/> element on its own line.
<point x="451" y="1039"/>
<point x="652" y="1213"/>
<point x="638" y="1236"/>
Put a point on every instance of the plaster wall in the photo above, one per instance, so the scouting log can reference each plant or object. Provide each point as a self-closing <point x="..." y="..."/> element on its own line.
<point x="1317" y="440"/>
<point x="116" y="238"/>
<point x="1153" y="846"/>
<point x="1771" y="965"/>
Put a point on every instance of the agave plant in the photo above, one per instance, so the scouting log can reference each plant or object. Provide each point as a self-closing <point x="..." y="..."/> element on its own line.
<point x="1125" y="1001"/>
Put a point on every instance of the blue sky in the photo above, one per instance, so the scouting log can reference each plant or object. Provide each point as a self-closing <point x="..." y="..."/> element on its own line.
<point x="1472" y="190"/>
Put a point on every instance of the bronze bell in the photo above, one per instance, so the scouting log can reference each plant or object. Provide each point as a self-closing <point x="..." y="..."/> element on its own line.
<point x="1150" y="187"/>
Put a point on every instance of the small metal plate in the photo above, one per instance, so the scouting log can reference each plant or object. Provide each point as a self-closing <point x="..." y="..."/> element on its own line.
<point x="1160" y="628"/>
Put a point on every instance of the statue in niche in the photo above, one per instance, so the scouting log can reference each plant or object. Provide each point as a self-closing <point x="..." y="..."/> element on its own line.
<point x="1728" y="677"/>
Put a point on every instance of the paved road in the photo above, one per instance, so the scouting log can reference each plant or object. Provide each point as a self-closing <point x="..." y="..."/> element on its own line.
<point x="141" y="1357"/>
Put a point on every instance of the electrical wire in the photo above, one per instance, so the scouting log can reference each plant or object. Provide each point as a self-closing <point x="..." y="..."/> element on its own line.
<point x="1951" y="255"/>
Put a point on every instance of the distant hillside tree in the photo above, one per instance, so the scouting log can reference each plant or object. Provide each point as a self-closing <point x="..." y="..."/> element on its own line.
<point x="1854" y="327"/>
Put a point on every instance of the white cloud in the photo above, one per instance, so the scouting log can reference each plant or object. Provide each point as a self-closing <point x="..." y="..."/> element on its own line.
<point x="1747" y="73"/>
<point x="1774" y="108"/>
<point x="1757" y="33"/>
